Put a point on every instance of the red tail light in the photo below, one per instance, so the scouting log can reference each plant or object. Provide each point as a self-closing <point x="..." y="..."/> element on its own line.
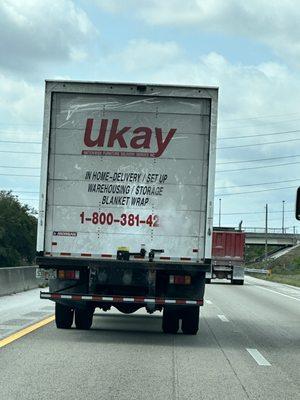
<point x="180" y="279"/>
<point x="68" y="274"/>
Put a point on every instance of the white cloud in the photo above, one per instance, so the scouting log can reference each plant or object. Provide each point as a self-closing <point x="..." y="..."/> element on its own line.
<point x="112" y="6"/>
<point x="275" y="24"/>
<point x="141" y="55"/>
<point x="34" y="31"/>
<point x="21" y="111"/>
<point x="20" y="101"/>
<point x="246" y="91"/>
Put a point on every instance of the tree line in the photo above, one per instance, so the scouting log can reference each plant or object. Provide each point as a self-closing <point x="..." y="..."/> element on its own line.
<point x="18" y="226"/>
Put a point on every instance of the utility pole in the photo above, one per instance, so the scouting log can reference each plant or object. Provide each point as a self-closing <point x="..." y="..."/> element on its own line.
<point x="220" y="201"/>
<point x="266" y="233"/>
<point x="283" y="216"/>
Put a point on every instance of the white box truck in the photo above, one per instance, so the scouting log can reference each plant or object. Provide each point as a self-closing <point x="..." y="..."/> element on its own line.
<point x="126" y="199"/>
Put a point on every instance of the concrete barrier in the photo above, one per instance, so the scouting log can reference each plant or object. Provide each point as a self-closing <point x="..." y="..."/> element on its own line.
<point x="18" y="279"/>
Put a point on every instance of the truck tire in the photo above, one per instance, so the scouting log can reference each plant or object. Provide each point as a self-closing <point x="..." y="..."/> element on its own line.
<point x="83" y="319"/>
<point x="63" y="316"/>
<point x="170" y="321"/>
<point x="190" y="320"/>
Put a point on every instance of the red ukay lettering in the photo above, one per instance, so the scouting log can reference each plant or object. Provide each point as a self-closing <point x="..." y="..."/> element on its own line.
<point x="112" y="134"/>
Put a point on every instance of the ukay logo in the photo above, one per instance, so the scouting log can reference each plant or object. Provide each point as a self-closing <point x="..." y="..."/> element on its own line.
<point x="115" y="140"/>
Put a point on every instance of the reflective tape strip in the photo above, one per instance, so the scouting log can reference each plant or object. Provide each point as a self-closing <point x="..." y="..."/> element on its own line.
<point x="95" y="298"/>
<point x="77" y="298"/>
<point x="114" y="256"/>
<point x="119" y="299"/>
<point x="180" y="301"/>
<point x="138" y="299"/>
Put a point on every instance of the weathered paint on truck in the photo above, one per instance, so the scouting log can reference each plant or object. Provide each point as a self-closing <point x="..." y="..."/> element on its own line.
<point x="126" y="199"/>
<point x="127" y="168"/>
<point x="228" y="245"/>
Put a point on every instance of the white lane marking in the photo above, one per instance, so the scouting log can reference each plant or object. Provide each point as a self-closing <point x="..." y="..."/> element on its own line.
<point x="281" y="294"/>
<point x="208" y="302"/>
<point x="258" y="357"/>
<point x="223" y="318"/>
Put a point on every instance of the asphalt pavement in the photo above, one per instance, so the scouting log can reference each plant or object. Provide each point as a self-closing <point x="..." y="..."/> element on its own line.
<point x="248" y="347"/>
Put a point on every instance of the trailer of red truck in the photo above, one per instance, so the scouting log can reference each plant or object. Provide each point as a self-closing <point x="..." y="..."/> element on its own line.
<point x="228" y="255"/>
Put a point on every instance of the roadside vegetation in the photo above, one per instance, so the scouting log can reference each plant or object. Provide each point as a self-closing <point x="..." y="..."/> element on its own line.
<point x="254" y="252"/>
<point x="18" y="225"/>
<point x="285" y="269"/>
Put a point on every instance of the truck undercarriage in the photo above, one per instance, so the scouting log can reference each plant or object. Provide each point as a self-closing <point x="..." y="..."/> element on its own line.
<point x="79" y="286"/>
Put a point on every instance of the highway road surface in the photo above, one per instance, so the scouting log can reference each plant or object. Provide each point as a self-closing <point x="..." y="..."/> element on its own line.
<point x="248" y="347"/>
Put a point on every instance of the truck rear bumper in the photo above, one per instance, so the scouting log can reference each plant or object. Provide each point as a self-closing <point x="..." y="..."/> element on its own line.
<point x="136" y="284"/>
<point x="58" y="262"/>
<point x="96" y="298"/>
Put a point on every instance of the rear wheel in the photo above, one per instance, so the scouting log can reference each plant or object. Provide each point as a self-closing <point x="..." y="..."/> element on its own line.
<point x="170" y="321"/>
<point x="190" y="320"/>
<point x="83" y="318"/>
<point x="63" y="316"/>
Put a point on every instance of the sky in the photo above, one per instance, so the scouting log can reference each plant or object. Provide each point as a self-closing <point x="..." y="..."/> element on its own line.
<point x="250" y="50"/>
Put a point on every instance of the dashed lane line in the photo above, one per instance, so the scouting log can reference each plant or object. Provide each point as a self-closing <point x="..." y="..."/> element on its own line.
<point x="208" y="302"/>
<point x="25" y="331"/>
<point x="258" y="357"/>
<point x="223" y="318"/>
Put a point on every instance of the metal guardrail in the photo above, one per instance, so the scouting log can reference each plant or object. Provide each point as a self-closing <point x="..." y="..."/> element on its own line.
<point x="288" y="230"/>
<point x="258" y="271"/>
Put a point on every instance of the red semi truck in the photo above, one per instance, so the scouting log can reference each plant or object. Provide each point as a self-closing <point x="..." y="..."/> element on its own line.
<point x="227" y="255"/>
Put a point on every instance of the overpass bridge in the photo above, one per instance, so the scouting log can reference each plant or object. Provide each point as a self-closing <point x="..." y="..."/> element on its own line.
<point x="275" y="236"/>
